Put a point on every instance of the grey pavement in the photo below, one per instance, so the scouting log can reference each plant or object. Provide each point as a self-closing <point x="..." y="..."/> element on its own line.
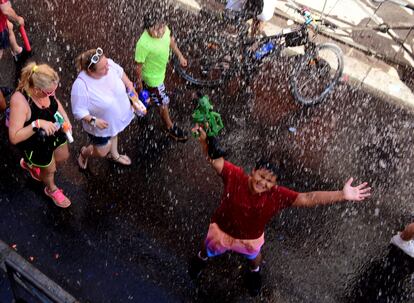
<point x="371" y="58"/>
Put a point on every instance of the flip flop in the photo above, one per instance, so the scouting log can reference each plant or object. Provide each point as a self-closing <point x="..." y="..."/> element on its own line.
<point x="121" y="159"/>
<point x="82" y="162"/>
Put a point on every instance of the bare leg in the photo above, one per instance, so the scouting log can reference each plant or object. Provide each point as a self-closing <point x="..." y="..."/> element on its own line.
<point x="165" y="115"/>
<point x="3" y="104"/>
<point x="255" y="263"/>
<point x="114" y="147"/>
<point x="257" y="27"/>
<point x="93" y="151"/>
<point x="203" y="251"/>
<point x="61" y="153"/>
<point x="47" y="175"/>
<point x="15" y="48"/>
<point x="408" y="233"/>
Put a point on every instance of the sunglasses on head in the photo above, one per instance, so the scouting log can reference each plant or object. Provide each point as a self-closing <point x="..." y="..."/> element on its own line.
<point x="96" y="57"/>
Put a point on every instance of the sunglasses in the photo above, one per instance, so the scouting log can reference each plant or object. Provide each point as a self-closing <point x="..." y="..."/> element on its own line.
<point x="95" y="58"/>
<point x="51" y="93"/>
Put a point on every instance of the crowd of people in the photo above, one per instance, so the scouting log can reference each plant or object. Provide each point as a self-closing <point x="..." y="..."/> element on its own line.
<point x="100" y="100"/>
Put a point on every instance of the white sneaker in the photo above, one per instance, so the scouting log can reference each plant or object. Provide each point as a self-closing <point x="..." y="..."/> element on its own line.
<point x="405" y="246"/>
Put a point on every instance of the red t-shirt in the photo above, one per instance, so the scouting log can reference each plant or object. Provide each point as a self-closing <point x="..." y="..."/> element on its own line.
<point x="244" y="215"/>
<point x="3" y="18"/>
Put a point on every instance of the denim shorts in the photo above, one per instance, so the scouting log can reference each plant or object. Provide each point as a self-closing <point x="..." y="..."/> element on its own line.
<point x="4" y="39"/>
<point x="98" y="141"/>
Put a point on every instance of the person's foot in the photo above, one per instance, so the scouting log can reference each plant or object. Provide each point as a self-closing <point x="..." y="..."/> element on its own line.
<point x="177" y="133"/>
<point x="34" y="171"/>
<point x="196" y="266"/>
<point x="82" y="161"/>
<point x="120" y="159"/>
<point x="58" y="197"/>
<point x="405" y="246"/>
<point x="253" y="282"/>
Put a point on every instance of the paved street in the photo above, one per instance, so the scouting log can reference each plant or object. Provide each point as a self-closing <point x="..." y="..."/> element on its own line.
<point x="130" y="231"/>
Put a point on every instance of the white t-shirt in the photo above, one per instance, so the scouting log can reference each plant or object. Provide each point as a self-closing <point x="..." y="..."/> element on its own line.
<point x="104" y="98"/>
<point x="268" y="8"/>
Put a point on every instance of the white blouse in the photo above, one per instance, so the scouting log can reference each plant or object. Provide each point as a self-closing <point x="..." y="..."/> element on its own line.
<point x="104" y="98"/>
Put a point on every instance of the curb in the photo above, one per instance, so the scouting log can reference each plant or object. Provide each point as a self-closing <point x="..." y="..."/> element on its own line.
<point x="372" y="79"/>
<point x="27" y="269"/>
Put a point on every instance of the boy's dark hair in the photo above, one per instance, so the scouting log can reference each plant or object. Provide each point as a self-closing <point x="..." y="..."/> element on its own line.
<point x="155" y="15"/>
<point x="268" y="165"/>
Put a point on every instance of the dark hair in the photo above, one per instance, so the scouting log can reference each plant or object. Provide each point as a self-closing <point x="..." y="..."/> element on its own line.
<point x="155" y="15"/>
<point x="268" y="165"/>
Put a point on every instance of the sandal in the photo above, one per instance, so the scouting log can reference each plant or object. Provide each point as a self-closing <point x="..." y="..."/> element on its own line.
<point x="121" y="159"/>
<point x="82" y="162"/>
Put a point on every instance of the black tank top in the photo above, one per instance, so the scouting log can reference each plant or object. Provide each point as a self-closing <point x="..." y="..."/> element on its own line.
<point x="39" y="113"/>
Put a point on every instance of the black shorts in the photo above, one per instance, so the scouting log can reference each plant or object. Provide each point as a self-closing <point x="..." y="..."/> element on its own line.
<point x="41" y="153"/>
<point x="4" y="39"/>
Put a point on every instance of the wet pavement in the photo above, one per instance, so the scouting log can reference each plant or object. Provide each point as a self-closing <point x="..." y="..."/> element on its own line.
<point x="130" y="231"/>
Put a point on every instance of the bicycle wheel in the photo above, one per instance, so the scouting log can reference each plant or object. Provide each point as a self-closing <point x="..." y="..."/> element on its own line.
<point x="316" y="74"/>
<point x="208" y="62"/>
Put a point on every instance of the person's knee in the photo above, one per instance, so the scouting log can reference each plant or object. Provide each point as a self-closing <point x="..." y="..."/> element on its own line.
<point x="102" y="151"/>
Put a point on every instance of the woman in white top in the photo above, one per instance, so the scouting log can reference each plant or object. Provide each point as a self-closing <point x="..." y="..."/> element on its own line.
<point x="99" y="98"/>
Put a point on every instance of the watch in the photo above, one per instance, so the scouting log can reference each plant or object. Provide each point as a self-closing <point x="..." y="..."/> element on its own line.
<point x="93" y="121"/>
<point x="34" y="126"/>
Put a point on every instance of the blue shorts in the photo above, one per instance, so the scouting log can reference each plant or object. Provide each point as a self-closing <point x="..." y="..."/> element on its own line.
<point x="98" y="141"/>
<point x="4" y="39"/>
<point x="158" y="94"/>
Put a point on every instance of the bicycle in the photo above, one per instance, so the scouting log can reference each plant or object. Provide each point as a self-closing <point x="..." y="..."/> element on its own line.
<point x="213" y="59"/>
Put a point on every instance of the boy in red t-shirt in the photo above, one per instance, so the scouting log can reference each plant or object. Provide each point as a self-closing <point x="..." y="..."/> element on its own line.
<point x="248" y="203"/>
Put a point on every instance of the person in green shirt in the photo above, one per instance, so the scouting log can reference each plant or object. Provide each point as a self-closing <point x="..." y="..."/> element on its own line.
<point x="152" y="53"/>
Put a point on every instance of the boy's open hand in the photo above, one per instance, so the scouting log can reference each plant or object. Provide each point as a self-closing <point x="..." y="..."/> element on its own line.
<point x="356" y="193"/>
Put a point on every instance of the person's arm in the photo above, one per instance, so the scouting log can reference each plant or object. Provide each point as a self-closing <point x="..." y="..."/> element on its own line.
<point x="18" y="115"/>
<point x="80" y="110"/>
<point x="138" y="71"/>
<point x="3" y="104"/>
<point x="10" y="13"/>
<point x="177" y="52"/>
<point x="217" y="164"/>
<point x="128" y="83"/>
<point x="408" y="233"/>
<point x="348" y="193"/>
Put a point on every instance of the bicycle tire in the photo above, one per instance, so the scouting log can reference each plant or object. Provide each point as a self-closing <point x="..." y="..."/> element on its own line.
<point x="206" y="65"/>
<point x="302" y="88"/>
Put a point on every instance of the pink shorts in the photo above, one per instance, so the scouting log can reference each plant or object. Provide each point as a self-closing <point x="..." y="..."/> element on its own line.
<point x="218" y="242"/>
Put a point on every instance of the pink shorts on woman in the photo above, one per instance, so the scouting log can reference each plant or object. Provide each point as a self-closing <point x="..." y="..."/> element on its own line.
<point x="218" y="242"/>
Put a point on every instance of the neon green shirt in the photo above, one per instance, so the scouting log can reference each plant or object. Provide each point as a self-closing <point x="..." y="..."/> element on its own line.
<point x="153" y="54"/>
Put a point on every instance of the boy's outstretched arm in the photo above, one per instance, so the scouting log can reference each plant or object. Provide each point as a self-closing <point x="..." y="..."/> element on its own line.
<point x="217" y="164"/>
<point x="348" y="193"/>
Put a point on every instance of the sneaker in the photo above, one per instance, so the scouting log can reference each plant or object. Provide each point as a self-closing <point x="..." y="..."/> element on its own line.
<point x="34" y="171"/>
<point x="196" y="266"/>
<point x="253" y="282"/>
<point x="177" y="133"/>
<point x="405" y="246"/>
<point x="58" y="197"/>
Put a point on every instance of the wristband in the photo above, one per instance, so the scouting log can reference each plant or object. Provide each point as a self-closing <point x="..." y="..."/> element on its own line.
<point x="34" y="126"/>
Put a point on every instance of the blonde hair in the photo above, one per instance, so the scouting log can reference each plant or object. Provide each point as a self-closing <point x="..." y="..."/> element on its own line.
<point x="41" y="76"/>
<point x="83" y="60"/>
